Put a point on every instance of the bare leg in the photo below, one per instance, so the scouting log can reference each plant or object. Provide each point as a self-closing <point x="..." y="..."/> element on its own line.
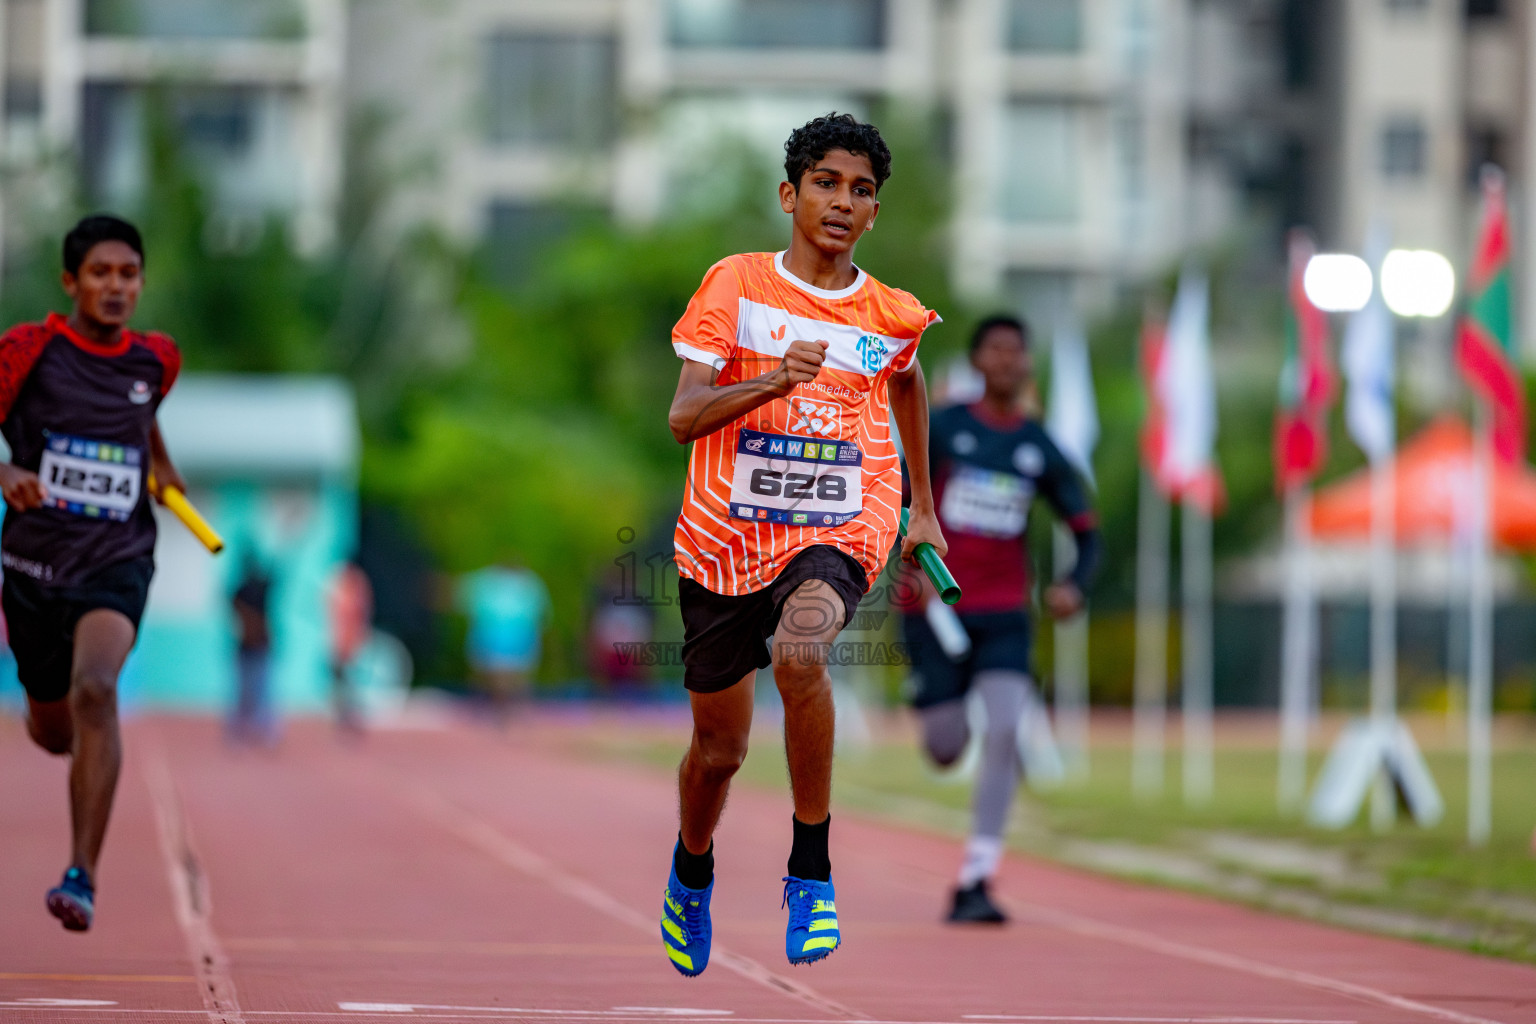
<point x="103" y="639"/>
<point x="811" y="619"/>
<point x="50" y="726"/>
<point x="722" y="722"/>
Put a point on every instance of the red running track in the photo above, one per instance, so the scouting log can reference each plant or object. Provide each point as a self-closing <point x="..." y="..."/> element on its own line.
<point x="454" y="875"/>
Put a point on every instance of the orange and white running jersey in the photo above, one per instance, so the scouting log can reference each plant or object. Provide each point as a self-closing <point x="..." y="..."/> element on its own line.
<point x="817" y="466"/>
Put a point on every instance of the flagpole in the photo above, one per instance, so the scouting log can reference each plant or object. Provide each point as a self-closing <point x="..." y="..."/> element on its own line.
<point x="1151" y="698"/>
<point x="1383" y="628"/>
<point x="1296" y="651"/>
<point x="1195" y="584"/>
<point x="1480" y="638"/>
<point x="1071" y="665"/>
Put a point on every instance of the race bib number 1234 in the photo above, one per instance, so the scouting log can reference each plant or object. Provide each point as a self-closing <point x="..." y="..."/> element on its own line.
<point x="91" y="478"/>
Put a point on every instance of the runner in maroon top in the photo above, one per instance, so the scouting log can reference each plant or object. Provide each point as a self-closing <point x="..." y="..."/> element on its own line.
<point x="990" y="461"/>
<point x="78" y="396"/>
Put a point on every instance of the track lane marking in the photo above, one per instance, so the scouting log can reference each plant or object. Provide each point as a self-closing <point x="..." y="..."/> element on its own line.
<point x="502" y="1013"/>
<point x="490" y="840"/>
<point x="1068" y="921"/>
<point x="191" y="896"/>
<point x="284" y="944"/>
<point x="12" y="976"/>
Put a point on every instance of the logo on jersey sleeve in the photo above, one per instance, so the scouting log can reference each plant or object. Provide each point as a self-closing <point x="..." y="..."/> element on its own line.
<point x="872" y="352"/>
<point x="139" y="394"/>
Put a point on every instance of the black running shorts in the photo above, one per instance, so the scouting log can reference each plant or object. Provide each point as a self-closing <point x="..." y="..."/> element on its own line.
<point x="40" y="620"/>
<point x="999" y="640"/>
<point x="724" y="638"/>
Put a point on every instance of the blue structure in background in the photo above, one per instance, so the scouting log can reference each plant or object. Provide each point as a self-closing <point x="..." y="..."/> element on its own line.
<point x="272" y="463"/>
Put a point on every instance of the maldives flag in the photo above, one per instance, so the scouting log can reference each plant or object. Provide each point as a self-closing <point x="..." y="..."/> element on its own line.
<point x="1154" y="428"/>
<point x="1306" y="380"/>
<point x="1485" y="339"/>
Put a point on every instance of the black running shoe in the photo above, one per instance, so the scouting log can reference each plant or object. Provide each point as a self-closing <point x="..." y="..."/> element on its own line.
<point x="974" y="906"/>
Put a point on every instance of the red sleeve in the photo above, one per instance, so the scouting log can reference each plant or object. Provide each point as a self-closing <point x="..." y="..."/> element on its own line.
<point x="19" y="349"/>
<point x="169" y="355"/>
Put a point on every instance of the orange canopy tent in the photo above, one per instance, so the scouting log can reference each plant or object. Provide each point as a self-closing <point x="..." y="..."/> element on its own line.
<point x="1433" y="476"/>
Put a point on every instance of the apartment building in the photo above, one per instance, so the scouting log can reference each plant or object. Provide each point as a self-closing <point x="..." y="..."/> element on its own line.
<point x="254" y="88"/>
<point x="1093" y="141"/>
<point x="1070" y="121"/>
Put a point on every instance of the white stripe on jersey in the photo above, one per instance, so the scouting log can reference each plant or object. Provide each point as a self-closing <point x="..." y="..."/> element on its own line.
<point x="768" y="330"/>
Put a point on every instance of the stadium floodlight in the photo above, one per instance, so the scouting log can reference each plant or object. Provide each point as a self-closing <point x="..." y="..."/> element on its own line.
<point x="1337" y="282"/>
<point x="1417" y="282"/>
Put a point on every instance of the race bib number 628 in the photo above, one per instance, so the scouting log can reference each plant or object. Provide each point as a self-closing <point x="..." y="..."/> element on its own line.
<point x="91" y="478"/>
<point x="797" y="481"/>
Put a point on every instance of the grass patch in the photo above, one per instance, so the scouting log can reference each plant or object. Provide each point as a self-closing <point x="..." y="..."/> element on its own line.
<point x="1420" y="883"/>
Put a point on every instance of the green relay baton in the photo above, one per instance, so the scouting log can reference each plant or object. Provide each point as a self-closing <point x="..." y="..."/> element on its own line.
<point x="933" y="565"/>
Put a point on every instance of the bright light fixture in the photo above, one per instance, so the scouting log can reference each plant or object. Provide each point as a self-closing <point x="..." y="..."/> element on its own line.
<point x="1337" y="282"/>
<point x="1417" y="282"/>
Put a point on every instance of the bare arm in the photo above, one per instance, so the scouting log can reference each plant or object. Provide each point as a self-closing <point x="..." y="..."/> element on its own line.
<point x="909" y="404"/>
<point x="160" y="465"/>
<point x="700" y="408"/>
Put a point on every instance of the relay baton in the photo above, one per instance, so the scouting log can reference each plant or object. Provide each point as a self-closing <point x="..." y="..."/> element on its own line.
<point x="173" y="499"/>
<point x="938" y="573"/>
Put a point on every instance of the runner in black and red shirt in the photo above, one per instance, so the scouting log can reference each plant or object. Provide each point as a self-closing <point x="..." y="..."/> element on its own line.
<point x="989" y="462"/>
<point x="78" y="396"/>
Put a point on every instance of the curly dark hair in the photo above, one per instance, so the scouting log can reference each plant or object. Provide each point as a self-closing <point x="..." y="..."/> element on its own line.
<point x="814" y="139"/>
<point x="92" y="231"/>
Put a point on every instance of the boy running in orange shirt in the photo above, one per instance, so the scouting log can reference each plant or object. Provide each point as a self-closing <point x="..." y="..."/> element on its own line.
<point x="794" y="364"/>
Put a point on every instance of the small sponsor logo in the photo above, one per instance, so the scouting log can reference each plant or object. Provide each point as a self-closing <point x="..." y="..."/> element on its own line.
<point x="792" y="449"/>
<point x="1029" y="459"/>
<point x="872" y="352"/>
<point x="827" y="520"/>
<point x="744" y="510"/>
<point x="139" y="393"/>
<point x="778" y="335"/>
<point x="775" y="447"/>
<point x="813" y="451"/>
<point x="762" y="513"/>
<point x="756" y="444"/>
<point x="800" y="518"/>
<point x="848" y="453"/>
<point x="829" y="453"/>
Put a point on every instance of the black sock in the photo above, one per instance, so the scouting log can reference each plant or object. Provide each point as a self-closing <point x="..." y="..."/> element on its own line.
<point x="808" y="857"/>
<point x="695" y="870"/>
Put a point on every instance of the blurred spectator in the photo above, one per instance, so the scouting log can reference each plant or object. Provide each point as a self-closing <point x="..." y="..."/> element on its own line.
<point x="507" y="608"/>
<point x="253" y="719"/>
<point x="620" y="624"/>
<point x="351" y="607"/>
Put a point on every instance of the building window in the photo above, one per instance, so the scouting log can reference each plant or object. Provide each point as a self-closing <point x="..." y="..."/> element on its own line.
<point x="1402" y="149"/>
<point x="519" y="236"/>
<point x="1045" y="26"/>
<point x="196" y="19"/>
<point x="548" y="90"/>
<point x="797" y="24"/>
<point x="1485" y="146"/>
<point x="1042" y="163"/>
<point x="241" y="142"/>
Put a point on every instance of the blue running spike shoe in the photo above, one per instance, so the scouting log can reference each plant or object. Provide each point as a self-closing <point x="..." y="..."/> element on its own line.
<point x="73" y="901"/>
<point x="685" y="928"/>
<point x="812" y="933"/>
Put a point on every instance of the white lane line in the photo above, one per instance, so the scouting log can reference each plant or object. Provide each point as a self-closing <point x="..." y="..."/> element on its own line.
<point x="190" y="891"/>
<point x="1155" y="943"/>
<point x="489" y="840"/>
<point x="509" y="1013"/>
<point x="1150" y="1020"/>
<point x="626" y="1012"/>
